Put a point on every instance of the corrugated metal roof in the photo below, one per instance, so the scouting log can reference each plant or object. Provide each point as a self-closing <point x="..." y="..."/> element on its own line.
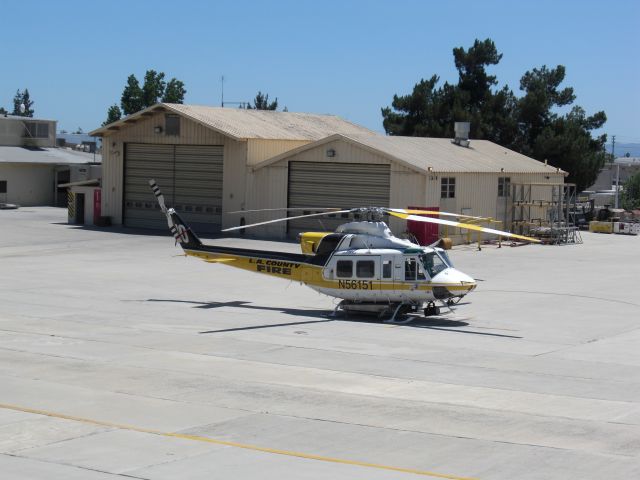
<point x="244" y="124"/>
<point x="20" y="118"/>
<point x="444" y="156"/>
<point x="439" y="154"/>
<point x="52" y="156"/>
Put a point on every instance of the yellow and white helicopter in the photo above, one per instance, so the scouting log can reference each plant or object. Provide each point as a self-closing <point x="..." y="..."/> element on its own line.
<point x="362" y="263"/>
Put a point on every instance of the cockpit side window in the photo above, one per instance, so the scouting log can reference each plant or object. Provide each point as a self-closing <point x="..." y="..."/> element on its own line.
<point x="433" y="263"/>
<point x="421" y="275"/>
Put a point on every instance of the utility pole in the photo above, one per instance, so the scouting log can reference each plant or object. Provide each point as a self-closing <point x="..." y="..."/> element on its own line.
<point x="222" y="102"/>
<point x="613" y="148"/>
<point x="613" y="159"/>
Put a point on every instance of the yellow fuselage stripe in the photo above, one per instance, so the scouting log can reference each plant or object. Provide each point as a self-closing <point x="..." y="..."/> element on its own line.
<point x="309" y="274"/>
<point x="198" y="438"/>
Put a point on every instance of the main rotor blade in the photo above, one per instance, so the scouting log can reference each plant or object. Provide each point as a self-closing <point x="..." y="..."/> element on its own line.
<point x="285" y="219"/>
<point x="431" y="212"/>
<point x="324" y="209"/>
<point x="467" y="226"/>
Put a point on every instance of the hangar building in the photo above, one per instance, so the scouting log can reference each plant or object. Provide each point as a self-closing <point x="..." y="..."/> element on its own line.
<point x="210" y="161"/>
<point x="200" y="156"/>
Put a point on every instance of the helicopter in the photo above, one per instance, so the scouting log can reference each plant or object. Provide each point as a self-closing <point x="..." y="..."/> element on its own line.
<point x="362" y="263"/>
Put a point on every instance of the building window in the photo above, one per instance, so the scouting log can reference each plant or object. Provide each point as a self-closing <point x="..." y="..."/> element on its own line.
<point x="504" y="186"/>
<point x="344" y="269"/>
<point x="3" y="186"/>
<point x="365" y="269"/>
<point x="448" y="187"/>
<point x="172" y="124"/>
<point x="36" y="129"/>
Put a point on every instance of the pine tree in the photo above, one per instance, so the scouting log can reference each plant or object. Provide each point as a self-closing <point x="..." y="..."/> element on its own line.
<point x="135" y="98"/>
<point x="22" y="104"/>
<point x="261" y="102"/>
<point x="113" y="115"/>
<point x="131" y="100"/>
<point x="174" y="92"/>
<point x="153" y="88"/>
<point x="530" y="124"/>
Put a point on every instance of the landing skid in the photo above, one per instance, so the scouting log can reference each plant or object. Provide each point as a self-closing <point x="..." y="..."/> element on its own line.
<point x="397" y="310"/>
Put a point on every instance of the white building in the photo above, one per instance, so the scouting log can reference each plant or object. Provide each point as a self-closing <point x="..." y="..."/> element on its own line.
<point x="31" y="166"/>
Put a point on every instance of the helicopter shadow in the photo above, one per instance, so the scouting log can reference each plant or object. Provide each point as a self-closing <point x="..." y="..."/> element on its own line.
<point x="320" y="315"/>
<point x="323" y="316"/>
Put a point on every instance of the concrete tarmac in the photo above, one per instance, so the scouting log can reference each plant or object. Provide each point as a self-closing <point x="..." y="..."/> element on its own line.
<point x="119" y="358"/>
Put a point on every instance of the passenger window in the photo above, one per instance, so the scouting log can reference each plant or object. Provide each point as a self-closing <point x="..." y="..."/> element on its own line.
<point x="386" y="269"/>
<point x="365" y="269"/>
<point x="410" y="268"/>
<point x="344" y="269"/>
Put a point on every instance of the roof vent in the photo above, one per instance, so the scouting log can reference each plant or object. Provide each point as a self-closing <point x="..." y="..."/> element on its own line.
<point x="462" y="134"/>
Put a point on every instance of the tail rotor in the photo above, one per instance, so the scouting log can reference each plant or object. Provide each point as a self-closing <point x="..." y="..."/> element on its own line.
<point x="180" y="231"/>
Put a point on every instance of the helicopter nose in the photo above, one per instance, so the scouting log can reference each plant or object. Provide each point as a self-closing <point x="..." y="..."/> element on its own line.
<point x="452" y="283"/>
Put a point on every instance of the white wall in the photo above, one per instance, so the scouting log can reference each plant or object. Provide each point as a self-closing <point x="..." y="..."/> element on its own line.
<point x="28" y="184"/>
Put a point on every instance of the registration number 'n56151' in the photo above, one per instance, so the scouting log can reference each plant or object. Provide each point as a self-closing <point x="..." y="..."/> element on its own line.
<point x="355" y="284"/>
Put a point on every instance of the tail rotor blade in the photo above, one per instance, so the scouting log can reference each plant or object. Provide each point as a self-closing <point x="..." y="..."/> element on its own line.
<point x="156" y="191"/>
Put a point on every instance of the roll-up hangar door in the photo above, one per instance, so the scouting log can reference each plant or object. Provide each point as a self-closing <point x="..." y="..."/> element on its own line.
<point x="344" y="185"/>
<point x="190" y="177"/>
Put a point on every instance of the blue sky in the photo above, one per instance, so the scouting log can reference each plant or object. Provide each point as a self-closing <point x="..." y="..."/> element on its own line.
<point x="342" y="57"/>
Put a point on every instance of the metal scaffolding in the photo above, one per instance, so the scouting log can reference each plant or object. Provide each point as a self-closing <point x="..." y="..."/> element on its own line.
<point x="546" y="211"/>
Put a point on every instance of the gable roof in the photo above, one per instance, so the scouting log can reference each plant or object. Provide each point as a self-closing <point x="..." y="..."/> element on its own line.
<point x="439" y="154"/>
<point x="241" y="124"/>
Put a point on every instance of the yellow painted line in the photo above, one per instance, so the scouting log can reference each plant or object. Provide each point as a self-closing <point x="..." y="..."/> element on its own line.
<point x="197" y="438"/>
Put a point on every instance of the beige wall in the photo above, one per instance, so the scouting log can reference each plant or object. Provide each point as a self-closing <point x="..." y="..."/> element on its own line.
<point x="477" y="194"/>
<point x="28" y="184"/>
<point x="259" y="150"/>
<point x="479" y="191"/>
<point x="233" y="181"/>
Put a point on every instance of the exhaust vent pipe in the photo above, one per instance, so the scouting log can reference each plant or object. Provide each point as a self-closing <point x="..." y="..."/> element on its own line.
<point x="462" y="133"/>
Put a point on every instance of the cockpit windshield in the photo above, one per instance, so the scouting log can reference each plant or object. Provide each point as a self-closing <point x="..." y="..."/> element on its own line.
<point x="445" y="257"/>
<point x="434" y="262"/>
